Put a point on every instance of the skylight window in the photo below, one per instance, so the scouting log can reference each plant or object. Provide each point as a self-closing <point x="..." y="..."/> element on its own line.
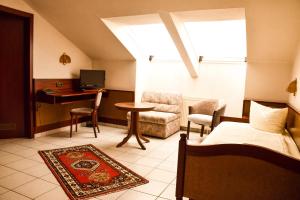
<point x="154" y="40"/>
<point x="218" y="40"/>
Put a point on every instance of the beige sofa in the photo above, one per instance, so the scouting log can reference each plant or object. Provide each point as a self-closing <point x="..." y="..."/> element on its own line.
<point x="164" y="120"/>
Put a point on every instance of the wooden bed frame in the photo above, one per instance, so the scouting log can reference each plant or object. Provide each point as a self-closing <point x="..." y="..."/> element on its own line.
<point x="239" y="171"/>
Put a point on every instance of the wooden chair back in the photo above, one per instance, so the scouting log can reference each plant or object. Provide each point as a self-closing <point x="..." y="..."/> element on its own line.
<point x="98" y="100"/>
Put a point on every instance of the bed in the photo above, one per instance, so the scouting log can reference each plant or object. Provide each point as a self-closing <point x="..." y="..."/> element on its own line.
<point x="236" y="162"/>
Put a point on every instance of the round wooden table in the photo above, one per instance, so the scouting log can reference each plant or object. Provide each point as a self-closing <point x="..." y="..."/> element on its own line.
<point x="134" y="108"/>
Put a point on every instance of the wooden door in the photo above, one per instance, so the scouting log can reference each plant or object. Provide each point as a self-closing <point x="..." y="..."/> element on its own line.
<point x="14" y="76"/>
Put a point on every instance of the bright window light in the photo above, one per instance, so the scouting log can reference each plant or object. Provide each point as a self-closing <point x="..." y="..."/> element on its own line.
<point x="218" y="40"/>
<point x="154" y="40"/>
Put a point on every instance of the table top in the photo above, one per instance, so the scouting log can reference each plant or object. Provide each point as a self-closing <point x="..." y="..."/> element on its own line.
<point x="132" y="106"/>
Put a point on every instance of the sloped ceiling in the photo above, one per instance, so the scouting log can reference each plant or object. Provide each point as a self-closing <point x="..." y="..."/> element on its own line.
<point x="273" y="27"/>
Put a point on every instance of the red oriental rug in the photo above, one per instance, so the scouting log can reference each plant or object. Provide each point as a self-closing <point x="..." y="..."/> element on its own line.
<point x="85" y="171"/>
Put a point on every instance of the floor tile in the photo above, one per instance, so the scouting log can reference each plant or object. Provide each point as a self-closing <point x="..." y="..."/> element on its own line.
<point x="153" y="188"/>
<point x="139" y="151"/>
<point x="9" y="158"/>
<point x="12" y="196"/>
<point x="26" y="153"/>
<point x="11" y="147"/>
<point x="46" y="147"/>
<point x="50" y="178"/>
<point x="128" y="157"/>
<point x="161" y="175"/>
<point x="5" y="141"/>
<point x="168" y="166"/>
<point x="38" y="170"/>
<point x="36" y="157"/>
<point x="28" y="143"/>
<point x="35" y="188"/>
<point x="173" y="182"/>
<point x="3" y="153"/>
<point x="112" y="196"/>
<point x="157" y="164"/>
<point x="22" y="164"/>
<point x="159" y="155"/>
<point x="169" y="192"/>
<point x="3" y="190"/>
<point x="55" y="194"/>
<point x="15" y="180"/>
<point x="4" y="171"/>
<point x="131" y="195"/>
<point x="113" y="153"/>
<point x="140" y="169"/>
<point x="150" y="162"/>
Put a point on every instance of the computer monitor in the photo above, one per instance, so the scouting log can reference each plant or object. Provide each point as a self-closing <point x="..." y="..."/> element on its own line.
<point x="92" y="79"/>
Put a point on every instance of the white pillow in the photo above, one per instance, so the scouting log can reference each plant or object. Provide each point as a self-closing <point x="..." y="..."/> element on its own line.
<point x="267" y="119"/>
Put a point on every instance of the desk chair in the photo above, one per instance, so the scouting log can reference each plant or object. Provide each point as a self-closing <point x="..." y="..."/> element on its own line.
<point x="207" y="112"/>
<point x="93" y="112"/>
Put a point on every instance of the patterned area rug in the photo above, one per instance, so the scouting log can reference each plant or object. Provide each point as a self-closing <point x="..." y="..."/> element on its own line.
<point x="85" y="171"/>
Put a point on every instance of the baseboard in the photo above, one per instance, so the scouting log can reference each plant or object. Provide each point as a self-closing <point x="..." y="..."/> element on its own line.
<point x="184" y="128"/>
<point x="113" y="121"/>
<point x="113" y="125"/>
<point x="57" y="125"/>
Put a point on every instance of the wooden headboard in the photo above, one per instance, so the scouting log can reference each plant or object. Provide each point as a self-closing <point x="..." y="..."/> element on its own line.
<point x="293" y="125"/>
<point x="293" y="119"/>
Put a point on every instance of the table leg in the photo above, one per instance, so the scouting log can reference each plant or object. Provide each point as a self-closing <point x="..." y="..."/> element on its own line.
<point x="135" y="128"/>
<point x="143" y="138"/>
<point x="128" y="135"/>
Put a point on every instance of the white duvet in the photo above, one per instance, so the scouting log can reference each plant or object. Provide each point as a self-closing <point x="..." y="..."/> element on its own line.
<point x="243" y="133"/>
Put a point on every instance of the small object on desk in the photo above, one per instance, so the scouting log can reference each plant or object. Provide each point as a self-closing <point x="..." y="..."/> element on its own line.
<point x="134" y="108"/>
<point x="48" y="91"/>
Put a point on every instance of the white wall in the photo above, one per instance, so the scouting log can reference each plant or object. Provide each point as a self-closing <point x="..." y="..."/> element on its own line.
<point x="49" y="45"/>
<point x="119" y="75"/>
<point x="220" y="81"/>
<point x="267" y="81"/>
<point x="295" y="100"/>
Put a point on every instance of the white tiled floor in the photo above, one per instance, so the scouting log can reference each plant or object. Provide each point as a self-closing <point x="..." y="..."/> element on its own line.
<point x="24" y="175"/>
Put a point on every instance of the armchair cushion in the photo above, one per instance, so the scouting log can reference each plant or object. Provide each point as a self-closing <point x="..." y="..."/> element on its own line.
<point x="82" y="110"/>
<point x="200" y="119"/>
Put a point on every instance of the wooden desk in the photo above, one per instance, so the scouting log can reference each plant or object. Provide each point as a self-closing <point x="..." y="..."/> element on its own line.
<point x="65" y="97"/>
<point x="134" y="108"/>
<point x="49" y="116"/>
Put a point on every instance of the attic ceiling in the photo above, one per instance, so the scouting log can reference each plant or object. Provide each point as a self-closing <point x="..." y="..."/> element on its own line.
<point x="79" y="21"/>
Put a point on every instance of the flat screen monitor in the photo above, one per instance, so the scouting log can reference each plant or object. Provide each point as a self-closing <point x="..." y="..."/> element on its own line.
<point x="92" y="79"/>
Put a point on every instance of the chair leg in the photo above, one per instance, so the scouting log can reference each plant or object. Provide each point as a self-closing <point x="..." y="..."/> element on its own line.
<point x="76" y="121"/>
<point x="188" y="129"/>
<point x="97" y="123"/>
<point x="202" y="130"/>
<point x="71" y="126"/>
<point x="94" y="124"/>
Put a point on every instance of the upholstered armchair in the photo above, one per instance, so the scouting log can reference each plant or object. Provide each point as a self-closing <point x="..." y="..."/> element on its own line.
<point x="206" y="112"/>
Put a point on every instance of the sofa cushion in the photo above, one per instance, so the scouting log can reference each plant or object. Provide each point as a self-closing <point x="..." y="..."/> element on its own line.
<point x="164" y="102"/>
<point x="165" y="108"/>
<point x="155" y="117"/>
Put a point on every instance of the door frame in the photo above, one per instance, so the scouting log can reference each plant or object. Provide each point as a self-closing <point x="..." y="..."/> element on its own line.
<point x="29" y="117"/>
